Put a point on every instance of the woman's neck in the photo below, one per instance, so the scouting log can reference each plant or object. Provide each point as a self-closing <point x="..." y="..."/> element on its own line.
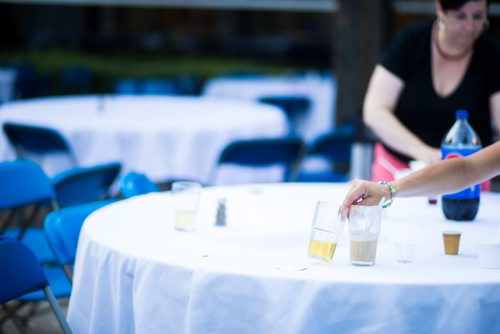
<point x="439" y="40"/>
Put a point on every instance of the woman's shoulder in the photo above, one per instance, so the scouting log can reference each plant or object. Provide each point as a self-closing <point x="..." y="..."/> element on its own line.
<point x="417" y="32"/>
<point x="489" y="43"/>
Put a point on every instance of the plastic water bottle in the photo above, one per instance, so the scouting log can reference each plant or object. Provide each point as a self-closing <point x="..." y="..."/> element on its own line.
<point x="460" y="141"/>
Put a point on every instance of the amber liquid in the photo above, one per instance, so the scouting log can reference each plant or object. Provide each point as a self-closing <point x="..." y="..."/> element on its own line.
<point x="322" y="249"/>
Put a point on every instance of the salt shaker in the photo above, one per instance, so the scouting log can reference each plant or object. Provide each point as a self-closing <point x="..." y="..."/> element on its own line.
<point x="220" y="219"/>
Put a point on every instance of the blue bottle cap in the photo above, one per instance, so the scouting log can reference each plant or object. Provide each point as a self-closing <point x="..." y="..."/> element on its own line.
<point x="462" y="114"/>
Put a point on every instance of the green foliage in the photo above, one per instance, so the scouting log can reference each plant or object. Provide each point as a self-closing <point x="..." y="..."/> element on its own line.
<point x="108" y="68"/>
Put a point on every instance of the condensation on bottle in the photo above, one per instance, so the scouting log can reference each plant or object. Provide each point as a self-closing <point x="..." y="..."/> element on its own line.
<point x="460" y="141"/>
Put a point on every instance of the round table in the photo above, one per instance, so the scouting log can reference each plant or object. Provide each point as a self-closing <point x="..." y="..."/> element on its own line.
<point x="319" y="89"/>
<point x="135" y="273"/>
<point x="162" y="136"/>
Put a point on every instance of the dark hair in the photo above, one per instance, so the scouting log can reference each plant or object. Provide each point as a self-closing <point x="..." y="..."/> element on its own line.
<point x="455" y="4"/>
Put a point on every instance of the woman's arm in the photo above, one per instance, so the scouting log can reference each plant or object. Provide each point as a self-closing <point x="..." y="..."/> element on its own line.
<point x="444" y="177"/>
<point x="378" y="113"/>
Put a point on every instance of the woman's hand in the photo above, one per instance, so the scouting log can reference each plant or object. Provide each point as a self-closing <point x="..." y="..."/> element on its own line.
<point x="364" y="193"/>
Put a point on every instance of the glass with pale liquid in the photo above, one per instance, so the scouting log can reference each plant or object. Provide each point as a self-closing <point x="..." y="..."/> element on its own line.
<point x="327" y="227"/>
<point x="364" y="228"/>
<point x="186" y="196"/>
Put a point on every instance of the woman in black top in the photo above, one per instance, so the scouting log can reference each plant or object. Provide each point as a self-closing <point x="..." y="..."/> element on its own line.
<point x="427" y="73"/>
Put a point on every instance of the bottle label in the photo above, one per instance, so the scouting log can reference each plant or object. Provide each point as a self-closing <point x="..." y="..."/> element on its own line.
<point x="451" y="153"/>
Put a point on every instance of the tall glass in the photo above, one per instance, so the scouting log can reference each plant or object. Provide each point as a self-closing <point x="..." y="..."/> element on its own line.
<point x="364" y="229"/>
<point x="327" y="227"/>
<point x="186" y="196"/>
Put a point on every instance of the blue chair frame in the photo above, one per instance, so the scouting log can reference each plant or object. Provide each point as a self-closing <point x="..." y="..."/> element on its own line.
<point x="336" y="149"/>
<point x="294" y="107"/>
<point x="37" y="140"/>
<point x="22" y="276"/>
<point x="62" y="228"/>
<point x="134" y="184"/>
<point x="24" y="184"/>
<point x="81" y="185"/>
<point x="264" y="153"/>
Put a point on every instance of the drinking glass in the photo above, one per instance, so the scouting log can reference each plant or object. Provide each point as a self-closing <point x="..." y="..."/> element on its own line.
<point x="327" y="227"/>
<point x="364" y="229"/>
<point x="186" y="196"/>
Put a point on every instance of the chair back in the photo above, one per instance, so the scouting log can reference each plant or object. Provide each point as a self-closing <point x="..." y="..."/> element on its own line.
<point x="76" y="79"/>
<point x="335" y="149"/>
<point x="294" y="107"/>
<point x="23" y="182"/>
<point x="63" y="226"/>
<point x="264" y="153"/>
<point x="36" y="140"/>
<point x="134" y="184"/>
<point x="22" y="274"/>
<point x="81" y="185"/>
<point x="21" y="271"/>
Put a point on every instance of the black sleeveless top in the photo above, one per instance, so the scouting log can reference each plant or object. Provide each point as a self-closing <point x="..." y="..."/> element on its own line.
<point x="419" y="108"/>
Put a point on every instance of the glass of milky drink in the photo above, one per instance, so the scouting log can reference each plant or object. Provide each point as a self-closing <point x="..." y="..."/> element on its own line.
<point x="364" y="229"/>
<point x="186" y="196"/>
<point x="327" y="226"/>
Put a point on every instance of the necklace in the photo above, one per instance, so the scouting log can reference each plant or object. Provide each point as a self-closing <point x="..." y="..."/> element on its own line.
<point x="448" y="56"/>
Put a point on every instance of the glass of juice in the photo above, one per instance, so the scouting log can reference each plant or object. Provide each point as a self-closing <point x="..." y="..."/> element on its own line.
<point x="186" y="196"/>
<point x="327" y="227"/>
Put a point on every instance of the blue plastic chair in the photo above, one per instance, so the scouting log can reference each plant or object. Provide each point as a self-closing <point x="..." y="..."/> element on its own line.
<point x="335" y="148"/>
<point x="62" y="228"/>
<point x="134" y="184"/>
<point x="76" y="79"/>
<point x="23" y="278"/>
<point x="81" y="185"/>
<point x="127" y="87"/>
<point x="295" y="108"/>
<point x="37" y="140"/>
<point x="287" y="152"/>
<point x="23" y="183"/>
<point x="158" y="87"/>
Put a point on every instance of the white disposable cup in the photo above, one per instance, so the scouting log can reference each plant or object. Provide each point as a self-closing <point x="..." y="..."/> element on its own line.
<point x="489" y="255"/>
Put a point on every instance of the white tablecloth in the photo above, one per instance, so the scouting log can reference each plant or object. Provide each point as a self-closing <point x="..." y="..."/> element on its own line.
<point x="164" y="137"/>
<point x="320" y="89"/>
<point x="135" y="273"/>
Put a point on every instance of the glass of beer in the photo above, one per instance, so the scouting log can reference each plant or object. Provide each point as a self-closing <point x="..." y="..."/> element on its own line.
<point x="327" y="226"/>
<point x="364" y="229"/>
<point x="186" y="196"/>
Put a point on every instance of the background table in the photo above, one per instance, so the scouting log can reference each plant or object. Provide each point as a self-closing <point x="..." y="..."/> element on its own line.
<point x="320" y="89"/>
<point x="135" y="273"/>
<point x="164" y="137"/>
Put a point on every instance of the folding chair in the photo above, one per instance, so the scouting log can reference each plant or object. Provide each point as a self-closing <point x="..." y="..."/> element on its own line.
<point x="287" y="152"/>
<point x="23" y="278"/>
<point x="37" y="140"/>
<point x="294" y="107"/>
<point x="85" y="184"/>
<point x="76" y="79"/>
<point x="134" y="184"/>
<point x="335" y="149"/>
<point x="24" y="185"/>
<point x="62" y="228"/>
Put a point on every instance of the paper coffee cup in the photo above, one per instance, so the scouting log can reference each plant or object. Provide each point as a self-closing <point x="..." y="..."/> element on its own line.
<point x="451" y="240"/>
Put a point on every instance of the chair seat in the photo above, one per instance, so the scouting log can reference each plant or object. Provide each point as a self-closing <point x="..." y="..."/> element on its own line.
<point x="36" y="240"/>
<point x="58" y="282"/>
